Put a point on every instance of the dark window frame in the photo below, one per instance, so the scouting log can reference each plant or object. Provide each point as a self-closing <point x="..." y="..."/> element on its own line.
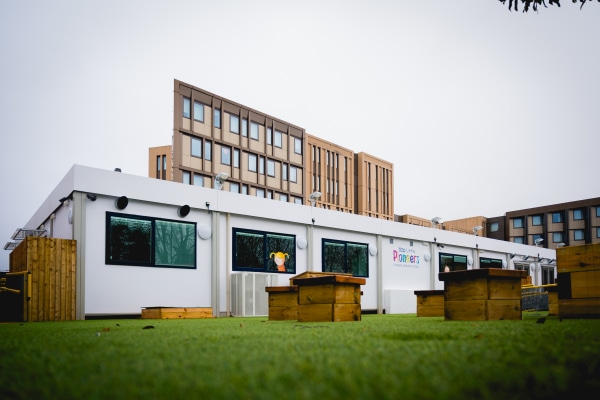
<point x="346" y="265"/>
<point x="258" y="250"/>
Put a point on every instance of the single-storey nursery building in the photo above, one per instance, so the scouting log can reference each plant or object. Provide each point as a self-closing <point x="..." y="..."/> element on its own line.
<point x="143" y="242"/>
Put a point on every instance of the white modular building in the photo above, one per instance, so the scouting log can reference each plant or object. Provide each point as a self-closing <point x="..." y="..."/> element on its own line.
<point x="144" y="242"/>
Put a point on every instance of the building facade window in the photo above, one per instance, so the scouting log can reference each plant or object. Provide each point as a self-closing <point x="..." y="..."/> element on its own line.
<point x="536" y="220"/>
<point x="186" y="177"/>
<point x="557" y="237"/>
<point x="269" y="136"/>
<point x="198" y="180"/>
<point x="244" y="189"/>
<point x="557" y="218"/>
<point x="577" y="214"/>
<point x="518" y="239"/>
<point x="454" y="262"/>
<point x="293" y="174"/>
<point x="284" y="172"/>
<point x="196" y="147"/>
<point x="547" y="275"/>
<point x="234" y="124"/>
<point x="598" y="212"/>
<point x="186" y="107"/>
<point x="244" y="127"/>
<point x="236" y="158"/>
<point x="578" y="234"/>
<point x="297" y="200"/>
<point x="198" y="112"/>
<point x="494" y="227"/>
<point x="536" y="237"/>
<point x="278" y="141"/>
<point x="254" y="131"/>
<point x="207" y="150"/>
<point x="271" y="168"/>
<point x="260" y="251"/>
<point x="485" y="262"/>
<point x="261" y="165"/>
<point x="234" y="187"/>
<point x="217" y="118"/>
<point x="225" y="155"/>
<point x="260" y="193"/>
<point x="517" y="223"/>
<point x="252" y="162"/>
<point x="284" y="197"/>
<point x="345" y="257"/>
<point x="297" y="146"/>
<point x="598" y="232"/>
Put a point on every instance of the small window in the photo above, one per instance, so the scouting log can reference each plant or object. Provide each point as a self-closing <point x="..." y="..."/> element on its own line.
<point x="297" y="200"/>
<point x="278" y="139"/>
<point x="225" y="156"/>
<point x="557" y="237"/>
<point x="217" y="118"/>
<point x="284" y="172"/>
<point x="547" y="275"/>
<point x="198" y="112"/>
<point x="271" y="168"/>
<point x="234" y="187"/>
<point x="207" y="151"/>
<point x="517" y="223"/>
<point x="244" y="189"/>
<point x="261" y="165"/>
<point x="536" y="220"/>
<point x="252" y="160"/>
<point x="578" y="234"/>
<point x="236" y="158"/>
<point x="578" y="214"/>
<point x="598" y="211"/>
<point x="494" y="227"/>
<point x="598" y="232"/>
<point x="297" y="146"/>
<point x="244" y="127"/>
<point x="485" y="262"/>
<point x="198" y="180"/>
<point x="186" y="107"/>
<point x="254" y="131"/>
<point x="518" y="239"/>
<point x="557" y="218"/>
<point x="196" y="147"/>
<point x="293" y="174"/>
<point x="283" y="197"/>
<point x="270" y="137"/>
<point x="234" y="124"/>
<point x="260" y="193"/>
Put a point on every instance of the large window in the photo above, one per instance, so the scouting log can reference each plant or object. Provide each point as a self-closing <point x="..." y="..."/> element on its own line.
<point x="198" y="112"/>
<point x="263" y="251"/>
<point x="454" y="262"/>
<point x="485" y="262"/>
<point x="234" y="124"/>
<point x="151" y="242"/>
<point x="345" y="257"/>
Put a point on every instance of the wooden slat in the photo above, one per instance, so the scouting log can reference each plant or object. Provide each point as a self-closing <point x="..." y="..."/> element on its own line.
<point x="579" y="308"/>
<point x="585" y="284"/>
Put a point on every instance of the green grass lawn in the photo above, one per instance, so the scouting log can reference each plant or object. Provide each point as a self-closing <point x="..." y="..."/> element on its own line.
<point x="380" y="357"/>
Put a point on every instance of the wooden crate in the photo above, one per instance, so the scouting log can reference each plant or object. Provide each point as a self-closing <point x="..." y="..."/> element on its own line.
<point x="283" y="302"/>
<point x="315" y="274"/>
<point x="329" y="298"/>
<point x="552" y="299"/>
<point x="430" y="303"/>
<point x="50" y="268"/>
<point x="482" y="294"/>
<point x="578" y="281"/>
<point x="176" y="312"/>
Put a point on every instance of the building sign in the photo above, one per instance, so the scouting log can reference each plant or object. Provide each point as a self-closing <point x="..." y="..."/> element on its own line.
<point x="403" y="257"/>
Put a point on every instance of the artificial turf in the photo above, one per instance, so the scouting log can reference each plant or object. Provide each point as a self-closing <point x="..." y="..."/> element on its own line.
<point x="380" y="357"/>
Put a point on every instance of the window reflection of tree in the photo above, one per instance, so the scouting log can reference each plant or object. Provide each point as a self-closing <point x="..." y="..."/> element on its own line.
<point x="130" y="240"/>
<point x="249" y="250"/>
<point x="334" y="257"/>
<point x="174" y="243"/>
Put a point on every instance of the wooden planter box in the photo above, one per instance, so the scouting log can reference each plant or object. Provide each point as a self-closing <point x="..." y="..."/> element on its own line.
<point x="283" y="302"/>
<point x="578" y="281"/>
<point x="482" y="294"/>
<point x="176" y="312"/>
<point x="552" y="299"/>
<point x="430" y="303"/>
<point x="329" y="298"/>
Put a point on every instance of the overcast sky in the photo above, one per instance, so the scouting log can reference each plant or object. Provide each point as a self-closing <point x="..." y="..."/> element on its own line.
<point x="480" y="109"/>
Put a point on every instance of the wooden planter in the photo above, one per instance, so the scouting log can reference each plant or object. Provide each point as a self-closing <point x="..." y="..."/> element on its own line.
<point x="482" y="294"/>
<point x="578" y="280"/>
<point x="430" y="303"/>
<point x="329" y="298"/>
<point x="176" y="312"/>
<point x="283" y="302"/>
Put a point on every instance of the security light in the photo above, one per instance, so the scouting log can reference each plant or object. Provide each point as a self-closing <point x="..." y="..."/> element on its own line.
<point x="538" y="241"/>
<point x="220" y="180"/>
<point x="436" y="220"/>
<point x="477" y="229"/>
<point x="313" y="198"/>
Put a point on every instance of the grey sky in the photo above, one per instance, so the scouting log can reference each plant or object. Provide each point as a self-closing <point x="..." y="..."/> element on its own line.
<point x="481" y="110"/>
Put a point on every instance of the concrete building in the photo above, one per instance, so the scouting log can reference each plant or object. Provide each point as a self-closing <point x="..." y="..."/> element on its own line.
<point x="145" y="242"/>
<point x="264" y="156"/>
<point x="571" y="224"/>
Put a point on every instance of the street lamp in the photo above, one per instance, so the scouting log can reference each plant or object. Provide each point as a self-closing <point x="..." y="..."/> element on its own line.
<point x="436" y="220"/>
<point x="538" y="241"/>
<point x="477" y="229"/>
